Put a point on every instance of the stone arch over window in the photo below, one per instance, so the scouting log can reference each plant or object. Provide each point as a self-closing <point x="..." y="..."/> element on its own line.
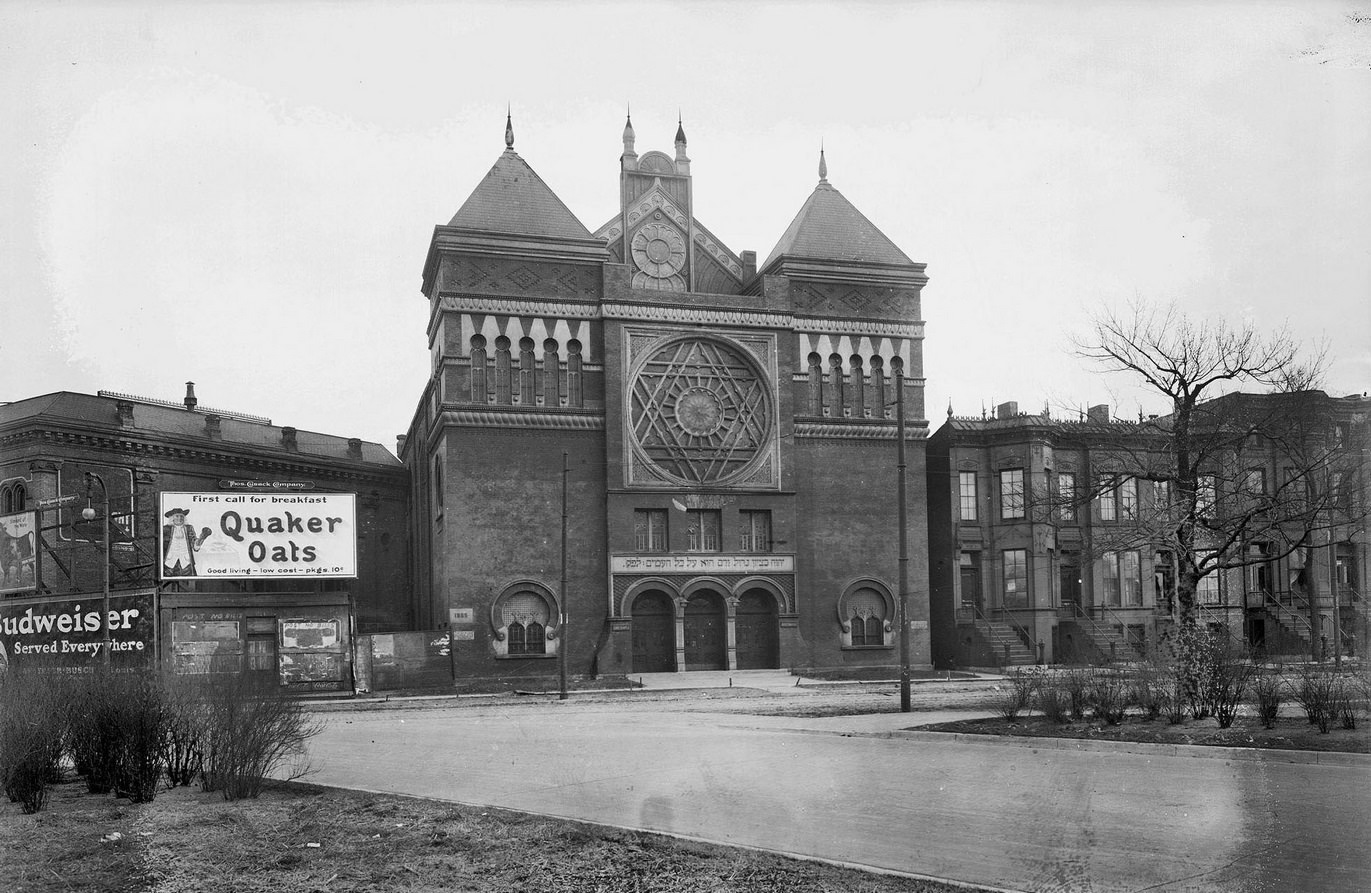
<point x="479" y="371"/>
<point x="712" y="584"/>
<point x="13" y="497"/>
<point x="552" y="374"/>
<point x="878" y="399"/>
<point x="767" y="585"/>
<point x="644" y="585"/>
<point x="528" y="375"/>
<point x="866" y="615"/>
<point x="837" y="392"/>
<point x="574" y="392"/>
<point x="502" y="371"/>
<point x="816" y="385"/>
<point x="859" y="409"/>
<point x="524" y="619"/>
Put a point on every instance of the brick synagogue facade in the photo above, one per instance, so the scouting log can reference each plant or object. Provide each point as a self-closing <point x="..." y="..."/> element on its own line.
<point x="719" y="436"/>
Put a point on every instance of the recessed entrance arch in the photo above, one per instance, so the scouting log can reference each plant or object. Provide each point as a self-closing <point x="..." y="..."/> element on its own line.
<point x="758" y="631"/>
<point x="654" y="633"/>
<point x="706" y="632"/>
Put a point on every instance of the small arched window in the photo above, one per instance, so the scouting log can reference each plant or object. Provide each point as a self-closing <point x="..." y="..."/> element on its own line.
<point x="837" y="395"/>
<point x="552" y="374"/>
<point x="858" y="388"/>
<point x="816" y="384"/>
<point x="574" y="394"/>
<point x="479" y="393"/>
<point x="502" y="371"/>
<point x="879" y="409"/>
<point x="528" y="376"/>
<point x="521" y="617"/>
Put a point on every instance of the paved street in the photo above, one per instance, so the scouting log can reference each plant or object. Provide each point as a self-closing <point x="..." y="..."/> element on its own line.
<point x="859" y="790"/>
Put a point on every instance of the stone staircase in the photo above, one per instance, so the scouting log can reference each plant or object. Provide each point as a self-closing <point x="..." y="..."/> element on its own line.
<point x="1108" y="641"/>
<point x="1004" y="643"/>
<point x="1294" y="627"/>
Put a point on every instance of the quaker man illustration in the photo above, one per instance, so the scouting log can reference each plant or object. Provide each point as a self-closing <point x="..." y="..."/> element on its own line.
<point x="179" y="544"/>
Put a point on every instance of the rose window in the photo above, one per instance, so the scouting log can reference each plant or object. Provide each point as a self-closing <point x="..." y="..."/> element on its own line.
<point x="700" y="411"/>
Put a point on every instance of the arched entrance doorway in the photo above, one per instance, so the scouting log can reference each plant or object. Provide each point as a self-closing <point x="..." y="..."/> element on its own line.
<point x="654" y="633"/>
<point x="706" y="645"/>
<point x="758" y="632"/>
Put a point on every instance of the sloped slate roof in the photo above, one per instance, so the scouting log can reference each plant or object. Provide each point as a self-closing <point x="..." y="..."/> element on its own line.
<point x="829" y="227"/>
<point x="513" y="199"/>
<point x="153" y="420"/>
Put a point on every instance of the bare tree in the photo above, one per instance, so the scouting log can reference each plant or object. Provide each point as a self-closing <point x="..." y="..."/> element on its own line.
<point x="1213" y="501"/>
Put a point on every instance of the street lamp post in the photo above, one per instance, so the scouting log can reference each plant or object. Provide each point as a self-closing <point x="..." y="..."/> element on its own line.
<point x="88" y="513"/>
<point x="563" y="644"/>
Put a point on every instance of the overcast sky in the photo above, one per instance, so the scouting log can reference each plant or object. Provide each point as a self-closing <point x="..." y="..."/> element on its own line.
<point x="242" y="194"/>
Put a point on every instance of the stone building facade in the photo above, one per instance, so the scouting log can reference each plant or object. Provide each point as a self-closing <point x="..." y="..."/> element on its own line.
<point x="727" y="432"/>
<point x="1047" y="537"/>
<point x="142" y="448"/>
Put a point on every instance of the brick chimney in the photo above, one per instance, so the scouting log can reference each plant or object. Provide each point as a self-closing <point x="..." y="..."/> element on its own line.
<point x="288" y="439"/>
<point x="749" y="265"/>
<point x="212" y="429"/>
<point x="124" y="409"/>
<point x="191" y="402"/>
<point x="354" y="447"/>
<point x="1007" y="410"/>
<point x="1098" y="414"/>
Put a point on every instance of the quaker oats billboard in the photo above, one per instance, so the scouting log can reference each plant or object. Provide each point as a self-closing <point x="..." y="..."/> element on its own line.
<point x="235" y="535"/>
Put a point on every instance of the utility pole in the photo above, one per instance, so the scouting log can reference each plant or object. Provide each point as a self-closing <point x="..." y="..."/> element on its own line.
<point x="88" y="513"/>
<point x="563" y="643"/>
<point x="904" y="540"/>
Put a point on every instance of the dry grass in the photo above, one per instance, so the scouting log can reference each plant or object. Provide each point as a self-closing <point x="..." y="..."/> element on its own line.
<point x="1289" y="733"/>
<point x="299" y="838"/>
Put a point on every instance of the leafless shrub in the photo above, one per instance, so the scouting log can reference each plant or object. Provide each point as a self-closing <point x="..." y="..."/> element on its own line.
<point x="1017" y="695"/>
<point x="1224" y="680"/>
<point x="253" y="731"/>
<point x="1315" y="690"/>
<point x="1266" y="693"/>
<point x="1076" y="684"/>
<point x="1149" y="689"/>
<point x="183" y="738"/>
<point x="30" y="738"/>
<point x="1054" y="701"/>
<point x="1109" y="698"/>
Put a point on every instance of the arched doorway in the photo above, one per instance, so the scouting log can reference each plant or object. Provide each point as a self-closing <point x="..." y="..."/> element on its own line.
<point x="758" y="632"/>
<point x="654" y="633"/>
<point x="706" y="646"/>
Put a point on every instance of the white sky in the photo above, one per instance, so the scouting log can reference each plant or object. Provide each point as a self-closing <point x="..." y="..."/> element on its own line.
<point x="242" y="194"/>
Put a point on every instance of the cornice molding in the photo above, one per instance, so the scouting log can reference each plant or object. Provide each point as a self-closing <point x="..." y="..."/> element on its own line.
<point x="843" y="326"/>
<point x="859" y="430"/>
<point x="761" y="319"/>
<point x="520" y="418"/>
<point x="522" y="307"/>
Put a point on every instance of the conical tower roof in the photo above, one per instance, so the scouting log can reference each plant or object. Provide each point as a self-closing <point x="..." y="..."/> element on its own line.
<point x="513" y="199"/>
<point x="829" y="227"/>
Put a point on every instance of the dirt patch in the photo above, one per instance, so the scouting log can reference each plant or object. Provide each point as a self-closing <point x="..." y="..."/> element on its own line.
<point x="298" y="838"/>
<point x="1289" y="733"/>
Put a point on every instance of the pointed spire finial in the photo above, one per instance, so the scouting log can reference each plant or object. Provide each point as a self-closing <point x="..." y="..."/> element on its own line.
<point x="680" y="129"/>
<point x="949" y="409"/>
<point x="823" y="164"/>
<point x="509" y="128"/>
